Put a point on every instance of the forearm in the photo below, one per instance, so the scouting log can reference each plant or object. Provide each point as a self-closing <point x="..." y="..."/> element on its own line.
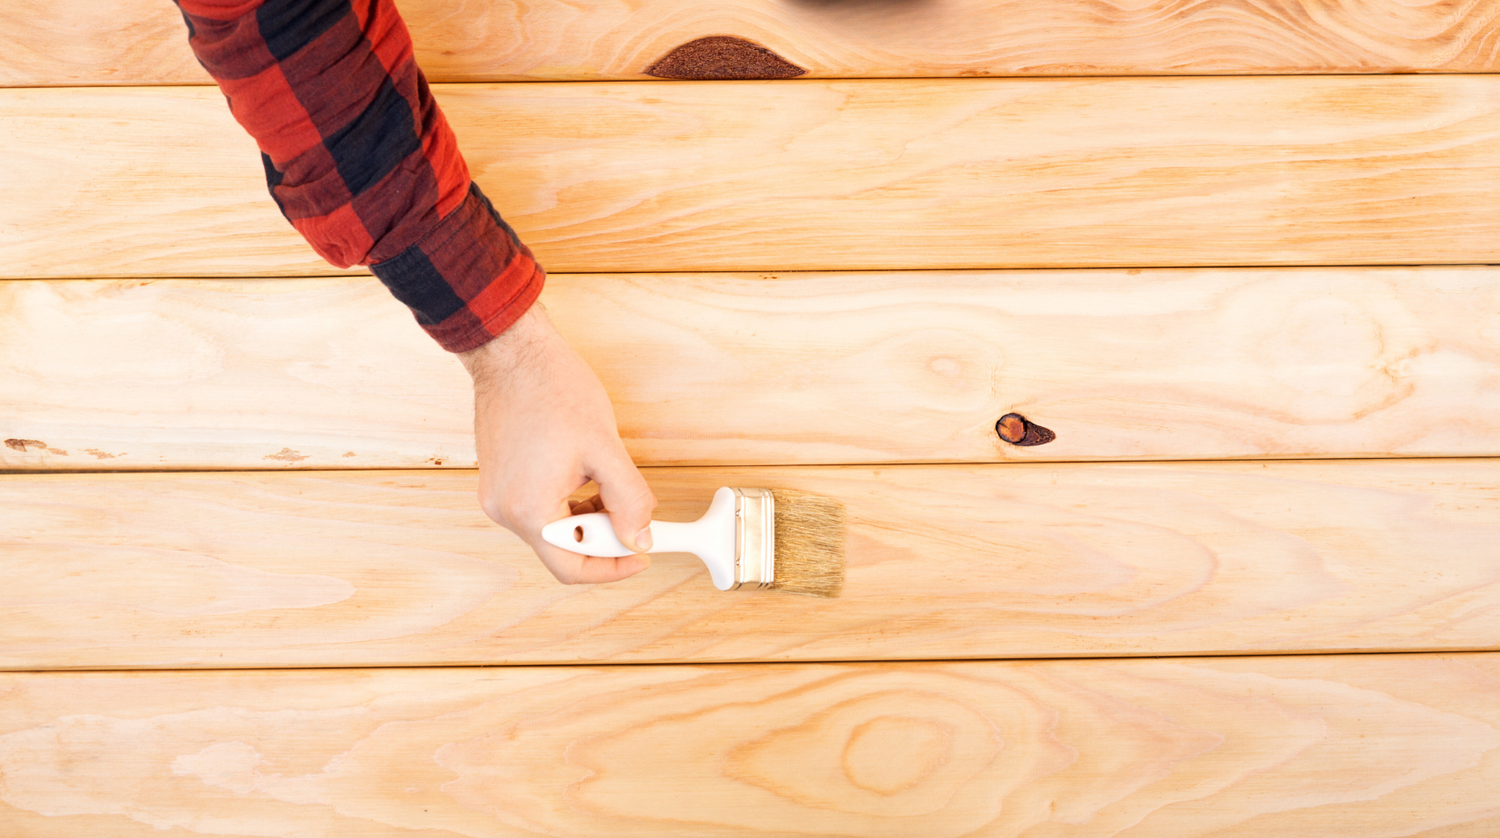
<point x="360" y="159"/>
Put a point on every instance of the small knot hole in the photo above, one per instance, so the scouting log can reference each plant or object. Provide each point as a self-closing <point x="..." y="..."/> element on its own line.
<point x="1018" y="430"/>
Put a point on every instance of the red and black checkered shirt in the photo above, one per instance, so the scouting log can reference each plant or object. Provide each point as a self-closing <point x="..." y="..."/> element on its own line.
<point x="360" y="159"/>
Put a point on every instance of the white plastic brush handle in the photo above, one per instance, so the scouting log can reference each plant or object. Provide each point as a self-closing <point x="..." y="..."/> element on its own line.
<point x="710" y="538"/>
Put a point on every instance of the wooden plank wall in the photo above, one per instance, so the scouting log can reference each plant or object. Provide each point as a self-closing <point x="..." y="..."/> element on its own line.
<point x="1241" y="250"/>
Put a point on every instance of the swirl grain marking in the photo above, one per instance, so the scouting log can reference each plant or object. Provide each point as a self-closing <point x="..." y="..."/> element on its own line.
<point x="892" y="754"/>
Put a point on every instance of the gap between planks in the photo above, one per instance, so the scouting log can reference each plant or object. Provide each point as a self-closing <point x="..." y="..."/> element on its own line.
<point x="477" y="666"/>
<point x="647" y="469"/>
<point x="460" y="85"/>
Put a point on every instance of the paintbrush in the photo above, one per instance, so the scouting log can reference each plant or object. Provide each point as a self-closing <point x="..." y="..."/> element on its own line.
<point x="766" y="538"/>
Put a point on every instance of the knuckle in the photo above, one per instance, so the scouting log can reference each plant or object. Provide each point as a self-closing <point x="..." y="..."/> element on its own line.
<point x="513" y="510"/>
<point x="490" y="503"/>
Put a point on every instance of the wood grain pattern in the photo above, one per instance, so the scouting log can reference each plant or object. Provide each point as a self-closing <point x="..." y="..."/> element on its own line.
<point x="763" y="369"/>
<point x="223" y="374"/>
<point x="364" y="568"/>
<point x="1321" y="746"/>
<point x="347" y="569"/>
<point x="78" y="42"/>
<point x="112" y="176"/>
<point x="139" y="42"/>
<point x="664" y="176"/>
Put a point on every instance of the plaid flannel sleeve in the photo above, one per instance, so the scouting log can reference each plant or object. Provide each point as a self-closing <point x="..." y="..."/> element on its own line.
<point x="360" y="159"/>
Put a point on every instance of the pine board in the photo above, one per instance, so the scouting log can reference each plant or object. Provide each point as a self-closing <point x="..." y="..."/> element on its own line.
<point x="816" y="175"/>
<point x="1319" y="746"/>
<point x="757" y="369"/>
<point x="390" y="568"/>
<point x="73" y="42"/>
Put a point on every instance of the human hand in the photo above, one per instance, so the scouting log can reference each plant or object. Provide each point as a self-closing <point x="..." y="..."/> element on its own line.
<point x="544" y="428"/>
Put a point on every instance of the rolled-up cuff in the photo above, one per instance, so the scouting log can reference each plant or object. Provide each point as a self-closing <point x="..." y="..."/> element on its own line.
<point x="468" y="279"/>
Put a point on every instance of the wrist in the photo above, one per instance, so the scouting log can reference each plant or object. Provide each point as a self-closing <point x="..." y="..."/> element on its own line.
<point x="515" y="349"/>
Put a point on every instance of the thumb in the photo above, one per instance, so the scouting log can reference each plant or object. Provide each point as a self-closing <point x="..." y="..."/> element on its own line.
<point x="628" y="500"/>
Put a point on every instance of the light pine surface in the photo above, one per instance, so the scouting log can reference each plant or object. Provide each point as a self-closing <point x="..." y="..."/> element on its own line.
<point x="52" y="42"/>
<point x="815" y="175"/>
<point x="223" y="570"/>
<point x="764" y="369"/>
<point x="1320" y="746"/>
<point x="1019" y="560"/>
<point x="129" y="178"/>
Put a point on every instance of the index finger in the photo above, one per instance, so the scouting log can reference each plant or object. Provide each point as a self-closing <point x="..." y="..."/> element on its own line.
<point x="577" y="569"/>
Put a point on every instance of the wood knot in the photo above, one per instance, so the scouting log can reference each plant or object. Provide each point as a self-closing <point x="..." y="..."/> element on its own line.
<point x="1018" y="430"/>
<point x="22" y="444"/>
<point x="720" y="57"/>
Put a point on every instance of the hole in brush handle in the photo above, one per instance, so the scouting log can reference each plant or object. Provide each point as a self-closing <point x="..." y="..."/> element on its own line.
<point x="592" y="534"/>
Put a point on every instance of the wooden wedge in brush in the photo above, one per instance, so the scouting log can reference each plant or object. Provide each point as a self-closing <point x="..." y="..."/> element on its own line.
<point x="762" y="538"/>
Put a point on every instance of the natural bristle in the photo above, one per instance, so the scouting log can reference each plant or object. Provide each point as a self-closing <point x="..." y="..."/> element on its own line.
<point x="809" y="544"/>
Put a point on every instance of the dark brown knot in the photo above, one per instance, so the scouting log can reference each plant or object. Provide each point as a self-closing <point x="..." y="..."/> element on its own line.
<point x="720" y="57"/>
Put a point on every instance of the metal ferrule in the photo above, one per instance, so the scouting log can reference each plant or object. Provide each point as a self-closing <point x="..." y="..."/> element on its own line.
<point x="754" y="538"/>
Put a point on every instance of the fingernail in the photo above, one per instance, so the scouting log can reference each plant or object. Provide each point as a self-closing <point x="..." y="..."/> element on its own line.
<point x="643" y="539"/>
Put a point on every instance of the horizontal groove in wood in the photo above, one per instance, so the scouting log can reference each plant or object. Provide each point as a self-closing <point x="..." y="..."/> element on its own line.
<point x="1171" y="748"/>
<point x="391" y="568"/>
<point x="69" y="42"/>
<point x="721" y="369"/>
<point x="815" y="175"/>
